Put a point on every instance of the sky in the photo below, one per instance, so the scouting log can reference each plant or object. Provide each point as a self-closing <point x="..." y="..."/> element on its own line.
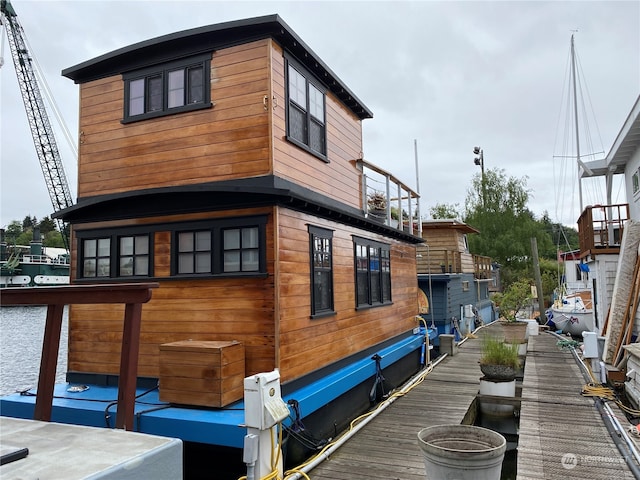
<point x="445" y="76"/>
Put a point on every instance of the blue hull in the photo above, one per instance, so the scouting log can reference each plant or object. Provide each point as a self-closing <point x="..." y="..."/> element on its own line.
<point x="224" y="426"/>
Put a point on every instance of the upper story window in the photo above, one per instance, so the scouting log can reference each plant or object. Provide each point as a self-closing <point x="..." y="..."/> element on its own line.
<point x="113" y="255"/>
<point x="306" y="119"/>
<point x="166" y="89"/>
<point x="321" y="250"/>
<point x="635" y="182"/>
<point x="373" y="272"/>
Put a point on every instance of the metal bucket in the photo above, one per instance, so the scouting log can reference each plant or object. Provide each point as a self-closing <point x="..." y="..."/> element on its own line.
<point x="462" y="452"/>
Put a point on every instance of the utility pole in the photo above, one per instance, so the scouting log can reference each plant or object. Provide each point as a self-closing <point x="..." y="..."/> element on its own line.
<point x="536" y="273"/>
<point x="479" y="160"/>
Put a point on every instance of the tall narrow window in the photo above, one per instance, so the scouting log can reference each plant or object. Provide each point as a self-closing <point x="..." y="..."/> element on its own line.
<point x="306" y="125"/>
<point x="373" y="272"/>
<point x="321" y="252"/>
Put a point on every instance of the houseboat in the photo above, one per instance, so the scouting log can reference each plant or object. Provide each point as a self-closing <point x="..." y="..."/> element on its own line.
<point x="226" y="164"/>
<point x="456" y="283"/>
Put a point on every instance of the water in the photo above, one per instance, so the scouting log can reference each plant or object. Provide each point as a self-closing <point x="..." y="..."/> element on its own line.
<point x="21" y="334"/>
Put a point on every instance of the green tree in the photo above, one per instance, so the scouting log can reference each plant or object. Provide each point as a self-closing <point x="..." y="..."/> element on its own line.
<point x="13" y="231"/>
<point x="29" y="222"/>
<point x="47" y="225"/>
<point x="53" y="239"/>
<point x="505" y="223"/>
<point x="445" y="211"/>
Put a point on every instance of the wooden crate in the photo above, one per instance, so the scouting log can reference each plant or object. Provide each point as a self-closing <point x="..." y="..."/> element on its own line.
<point x="202" y="373"/>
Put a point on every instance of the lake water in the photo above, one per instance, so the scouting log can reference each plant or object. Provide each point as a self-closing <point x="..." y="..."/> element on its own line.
<point x="21" y="334"/>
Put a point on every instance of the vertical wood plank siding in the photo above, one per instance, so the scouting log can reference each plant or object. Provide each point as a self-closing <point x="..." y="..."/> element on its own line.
<point x="227" y="141"/>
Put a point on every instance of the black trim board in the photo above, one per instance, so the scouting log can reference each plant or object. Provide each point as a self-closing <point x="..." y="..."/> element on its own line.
<point x="217" y="196"/>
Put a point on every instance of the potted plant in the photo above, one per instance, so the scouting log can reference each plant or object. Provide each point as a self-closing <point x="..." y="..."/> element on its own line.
<point x="499" y="359"/>
<point x="377" y="206"/>
<point x="511" y="302"/>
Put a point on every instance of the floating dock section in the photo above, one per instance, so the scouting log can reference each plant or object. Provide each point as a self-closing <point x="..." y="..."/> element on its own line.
<point x="562" y="434"/>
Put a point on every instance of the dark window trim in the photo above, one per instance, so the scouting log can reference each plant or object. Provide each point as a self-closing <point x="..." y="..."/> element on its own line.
<point x="114" y="235"/>
<point x="216" y="226"/>
<point x="204" y="59"/>
<point x="326" y="234"/>
<point x="310" y="79"/>
<point x="365" y="242"/>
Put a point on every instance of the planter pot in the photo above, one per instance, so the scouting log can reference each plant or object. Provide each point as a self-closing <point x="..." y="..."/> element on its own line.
<point x="504" y="373"/>
<point x="514" y="332"/>
<point x="497" y="389"/>
<point x="462" y="452"/>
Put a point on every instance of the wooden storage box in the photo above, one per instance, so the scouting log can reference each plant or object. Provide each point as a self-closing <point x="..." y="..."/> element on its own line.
<point x="202" y="373"/>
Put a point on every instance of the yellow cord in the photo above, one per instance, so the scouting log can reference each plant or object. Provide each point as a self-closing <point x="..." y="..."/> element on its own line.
<point x="606" y="394"/>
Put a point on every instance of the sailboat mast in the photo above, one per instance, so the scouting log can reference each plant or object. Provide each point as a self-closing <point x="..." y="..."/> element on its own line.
<point x="575" y="115"/>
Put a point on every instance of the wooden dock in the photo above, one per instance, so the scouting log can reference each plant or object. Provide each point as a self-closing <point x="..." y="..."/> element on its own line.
<point x="555" y="421"/>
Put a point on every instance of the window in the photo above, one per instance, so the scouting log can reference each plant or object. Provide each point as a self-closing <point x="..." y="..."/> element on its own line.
<point x="220" y="247"/>
<point x="171" y="88"/>
<point x="373" y="273"/>
<point x="133" y="257"/>
<point x="194" y="252"/>
<point x="635" y="182"/>
<point x="241" y="250"/>
<point x="113" y="255"/>
<point x="320" y="241"/>
<point x="96" y="257"/>
<point x="306" y="111"/>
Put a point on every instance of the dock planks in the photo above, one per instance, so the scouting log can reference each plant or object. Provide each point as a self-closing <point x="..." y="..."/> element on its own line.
<point x="555" y="420"/>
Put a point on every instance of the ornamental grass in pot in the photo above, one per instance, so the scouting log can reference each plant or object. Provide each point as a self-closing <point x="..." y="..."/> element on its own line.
<point x="499" y="359"/>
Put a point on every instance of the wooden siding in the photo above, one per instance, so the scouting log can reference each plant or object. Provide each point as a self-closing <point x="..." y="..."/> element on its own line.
<point x="338" y="179"/>
<point x="220" y="309"/>
<point x="307" y="344"/>
<point x="270" y="316"/>
<point x="445" y="247"/>
<point x="228" y="141"/>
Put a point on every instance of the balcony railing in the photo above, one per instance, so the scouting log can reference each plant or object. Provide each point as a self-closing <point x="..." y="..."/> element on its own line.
<point x="387" y="200"/>
<point x="434" y="261"/>
<point x="600" y="229"/>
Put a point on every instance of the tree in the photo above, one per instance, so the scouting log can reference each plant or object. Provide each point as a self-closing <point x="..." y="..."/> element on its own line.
<point x="445" y="211"/>
<point x="47" y="225"/>
<point x="505" y="223"/>
<point x="29" y="222"/>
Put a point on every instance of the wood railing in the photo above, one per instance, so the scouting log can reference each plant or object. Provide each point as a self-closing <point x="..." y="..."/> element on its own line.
<point x="600" y="228"/>
<point x="133" y="295"/>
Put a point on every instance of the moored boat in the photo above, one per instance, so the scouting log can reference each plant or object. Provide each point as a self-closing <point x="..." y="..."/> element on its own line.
<point x="35" y="265"/>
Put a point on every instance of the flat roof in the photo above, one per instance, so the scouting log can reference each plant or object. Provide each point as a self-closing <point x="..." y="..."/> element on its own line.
<point x="210" y="38"/>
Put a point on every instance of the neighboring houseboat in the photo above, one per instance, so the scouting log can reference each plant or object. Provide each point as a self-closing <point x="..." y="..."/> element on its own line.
<point x="35" y="265"/>
<point x="225" y="163"/>
<point x="456" y="282"/>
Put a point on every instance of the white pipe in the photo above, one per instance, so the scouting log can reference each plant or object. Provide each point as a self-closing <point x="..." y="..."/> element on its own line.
<point x="327" y="453"/>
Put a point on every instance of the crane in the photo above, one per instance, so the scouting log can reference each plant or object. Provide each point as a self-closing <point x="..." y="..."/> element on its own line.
<point x="41" y="131"/>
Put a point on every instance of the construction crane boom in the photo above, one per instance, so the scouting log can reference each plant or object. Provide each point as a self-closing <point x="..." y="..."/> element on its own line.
<point x="41" y="131"/>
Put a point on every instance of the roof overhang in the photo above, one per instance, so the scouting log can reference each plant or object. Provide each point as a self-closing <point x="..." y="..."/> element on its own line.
<point x="625" y="145"/>
<point x="253" y="192"/>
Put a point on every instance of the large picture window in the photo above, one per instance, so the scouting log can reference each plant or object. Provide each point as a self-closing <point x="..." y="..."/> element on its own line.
<point x="306" y="119"/>
<point x="165" y="89"/>
<point x="373" y="273"/>
<point x="321" y="251"/>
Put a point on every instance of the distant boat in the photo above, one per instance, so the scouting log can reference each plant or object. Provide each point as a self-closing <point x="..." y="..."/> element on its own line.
<point x="35" y="265"/>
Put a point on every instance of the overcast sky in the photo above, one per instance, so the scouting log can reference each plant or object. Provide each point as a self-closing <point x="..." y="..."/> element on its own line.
<point x="451" y="75"/>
